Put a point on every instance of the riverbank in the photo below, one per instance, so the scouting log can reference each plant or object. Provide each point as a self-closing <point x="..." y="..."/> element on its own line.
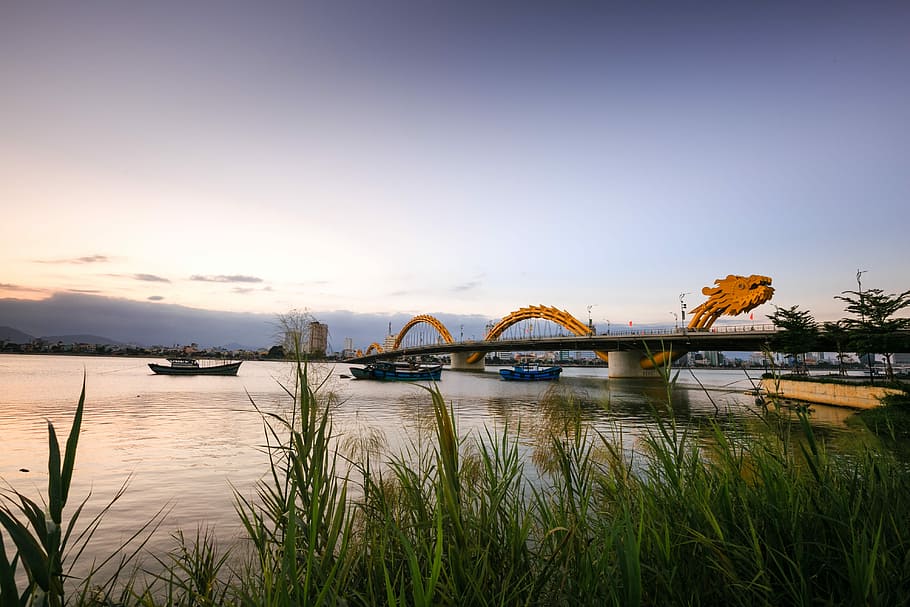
<point x="828" y="392"/>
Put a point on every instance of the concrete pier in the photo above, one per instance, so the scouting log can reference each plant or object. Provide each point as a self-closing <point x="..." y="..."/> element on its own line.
<point x="627" y="365"/>
<point x="460" y="362"/>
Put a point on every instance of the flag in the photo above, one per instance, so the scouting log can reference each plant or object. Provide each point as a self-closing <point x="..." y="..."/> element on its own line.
<point x="750" y="316"/>
<point x="630" y="323"/>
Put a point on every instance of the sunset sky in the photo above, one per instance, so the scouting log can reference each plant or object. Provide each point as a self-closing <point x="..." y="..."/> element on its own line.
<point x="461" y="158"/>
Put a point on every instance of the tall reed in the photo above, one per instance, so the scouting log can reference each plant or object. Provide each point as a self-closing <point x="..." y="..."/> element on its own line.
<point x="300" y="525"/>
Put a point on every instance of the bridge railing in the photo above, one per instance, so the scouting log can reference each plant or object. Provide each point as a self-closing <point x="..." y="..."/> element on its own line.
<point x="767" y="328"/>
<point x="737" y="329"/>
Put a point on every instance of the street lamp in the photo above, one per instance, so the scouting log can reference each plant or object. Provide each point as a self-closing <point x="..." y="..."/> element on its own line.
<point x="608" y="325"/>
<point x="590" y="323"/>
<point x="676" y="319"/>
<point x="682" y="309"/>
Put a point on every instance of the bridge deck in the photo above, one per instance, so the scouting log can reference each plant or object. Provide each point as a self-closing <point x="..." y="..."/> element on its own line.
<point x="740" y="338"/>
<point x="731" y="337"/>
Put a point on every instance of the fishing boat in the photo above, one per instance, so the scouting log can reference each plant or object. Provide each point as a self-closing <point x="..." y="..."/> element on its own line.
<point x="530" y="373"/>
<point x="193" y="366"/>
<point x="398" y="371"/>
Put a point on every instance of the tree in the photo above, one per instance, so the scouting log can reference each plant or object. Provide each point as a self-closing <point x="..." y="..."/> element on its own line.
<point x="276" y="352"/>
<point x="876" y="331"/>
<point x="840" y="335"/>
<point x="293" y="329"/>
<point x="799" y="335"/>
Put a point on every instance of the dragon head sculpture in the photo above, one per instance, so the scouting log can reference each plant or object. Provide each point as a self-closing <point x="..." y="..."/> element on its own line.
<point x="733" y="295"/>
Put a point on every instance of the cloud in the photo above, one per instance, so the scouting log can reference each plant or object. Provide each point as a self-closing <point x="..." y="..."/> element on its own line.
<point x="225" y="278"/>
<point x="155" y="298"/>
<point x="10" y="287"/>
<point x="245" y="290"/>
<point x="78" y="260"/>
<point x="466" y="286"/>
<point x="90" y="291"/>
<point x="150" y="278"/>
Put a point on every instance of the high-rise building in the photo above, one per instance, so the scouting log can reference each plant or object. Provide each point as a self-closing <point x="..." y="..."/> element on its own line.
<point x="389" y="342"/>
<point x="317" y="339"/>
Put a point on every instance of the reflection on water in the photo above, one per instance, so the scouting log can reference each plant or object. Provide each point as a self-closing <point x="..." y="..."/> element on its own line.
<point x="189" y="442"/>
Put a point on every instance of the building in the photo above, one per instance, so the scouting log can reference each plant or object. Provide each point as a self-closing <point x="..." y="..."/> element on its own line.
<point x="317" y="339"/>
<point x="714" y="359"/>
<point x="389" y="342"/>
<point x="348" y="350"/>
<point x="758" y="359"/>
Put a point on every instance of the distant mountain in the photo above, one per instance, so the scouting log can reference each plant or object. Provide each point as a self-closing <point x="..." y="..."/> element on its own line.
<point x="154" y="323"/>
<point x="81" y="339"/>
<point x="15" y="336"/>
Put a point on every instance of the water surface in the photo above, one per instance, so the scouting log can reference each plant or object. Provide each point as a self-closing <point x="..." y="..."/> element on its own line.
<point x="188" y="443"/>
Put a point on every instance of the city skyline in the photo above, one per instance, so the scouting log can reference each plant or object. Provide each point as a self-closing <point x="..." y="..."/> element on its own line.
<point x="386" y="161"/>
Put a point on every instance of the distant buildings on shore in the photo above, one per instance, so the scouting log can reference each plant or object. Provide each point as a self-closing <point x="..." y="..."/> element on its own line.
<point x="39" y="346"/>
<point x="316" y="346"/>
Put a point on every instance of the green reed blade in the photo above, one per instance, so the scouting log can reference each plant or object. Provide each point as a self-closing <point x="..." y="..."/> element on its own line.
<point x="72" y="441"/>
<point x="33" y="557"/>
<point x="9" y="594"/>
<point x="54" y="494"/>
<point x="35" y="515"/>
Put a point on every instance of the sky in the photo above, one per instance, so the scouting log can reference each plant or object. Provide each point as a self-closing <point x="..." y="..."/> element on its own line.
<point x="376" y="160"/>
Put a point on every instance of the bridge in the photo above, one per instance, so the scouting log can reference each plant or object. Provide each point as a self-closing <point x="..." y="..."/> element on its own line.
<point x="630" y="353"/>
<point x="639" y="344"/>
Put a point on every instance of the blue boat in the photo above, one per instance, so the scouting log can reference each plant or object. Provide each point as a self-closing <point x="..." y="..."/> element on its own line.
<point x="398" y="371"/>
<point x="530" y="373"/>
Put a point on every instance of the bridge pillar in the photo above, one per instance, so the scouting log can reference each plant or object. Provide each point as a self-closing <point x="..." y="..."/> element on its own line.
<point x="627" y="365"/>
<point x="460" y="362"/>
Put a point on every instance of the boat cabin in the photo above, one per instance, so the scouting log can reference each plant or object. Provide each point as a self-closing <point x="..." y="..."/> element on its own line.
<point x="189" y="363"/>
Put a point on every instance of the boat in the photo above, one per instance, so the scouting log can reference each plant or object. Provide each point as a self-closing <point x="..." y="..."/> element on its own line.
<point x="398" y="371"/>
<point x="530" y="373"/>
<point x="192" y="366"/>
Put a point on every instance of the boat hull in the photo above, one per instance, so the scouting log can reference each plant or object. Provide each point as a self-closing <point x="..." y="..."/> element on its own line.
<point x="524" y="374"/>
<point x="227" y="369"/>
<point x="392" y="373"/>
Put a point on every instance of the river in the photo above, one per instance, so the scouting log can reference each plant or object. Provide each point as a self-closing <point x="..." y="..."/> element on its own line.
<point x="187" y="443"/>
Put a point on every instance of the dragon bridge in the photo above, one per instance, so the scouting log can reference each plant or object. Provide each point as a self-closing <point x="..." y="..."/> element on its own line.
<point x="555" y="315"/>
<point x="374" y="347"/>
<point x="426" y="319"/>
<point x="730" y="296"/>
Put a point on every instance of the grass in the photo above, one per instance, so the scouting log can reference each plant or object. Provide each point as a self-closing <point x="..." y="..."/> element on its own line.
<point x="694" y="516"/>
<point x="891" y="423"/>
